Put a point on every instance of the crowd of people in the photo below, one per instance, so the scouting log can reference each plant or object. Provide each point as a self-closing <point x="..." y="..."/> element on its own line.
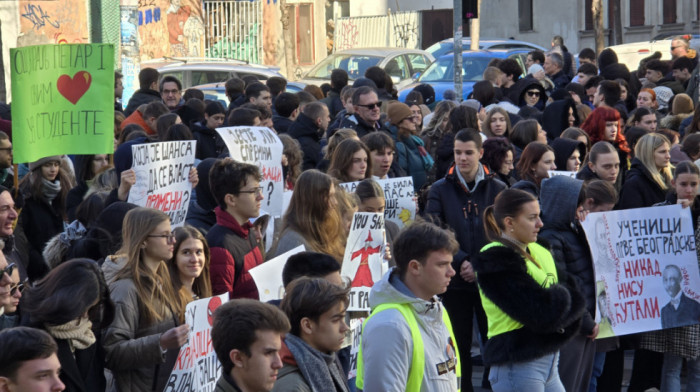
<point x="93" y="289"/>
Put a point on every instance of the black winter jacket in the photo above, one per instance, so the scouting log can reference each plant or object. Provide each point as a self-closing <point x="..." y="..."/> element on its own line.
<point x="639" y="189"/>
<point x="209" y="142"/>
<point x="309" y="137"/>
<point x="453" y="204"/>
<point x="140" y="97"/>
<point x="281" y="124"/>
<point x="550" y="316"/>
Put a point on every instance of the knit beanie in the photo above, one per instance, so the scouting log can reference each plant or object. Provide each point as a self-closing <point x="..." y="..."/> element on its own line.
<point x="397" y="112"/>
<point x="427" y="92"/>
<point x="682" y="104"/>
<point x="37" y="164"/>
<point x="663" y="95"/>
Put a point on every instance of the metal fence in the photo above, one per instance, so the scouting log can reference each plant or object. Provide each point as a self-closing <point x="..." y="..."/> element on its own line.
<point x="397" y="29"/>
<point x="234" y="30"/>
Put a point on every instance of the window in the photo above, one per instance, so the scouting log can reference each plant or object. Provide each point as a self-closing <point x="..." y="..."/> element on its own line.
<point x="637" y="12"/>
<point x="418" y="62"/>
<point x="670" y="11"/>
<point x="204" y="77"/>
<point x="525" y="12"/>
<point x="588" y="22"/>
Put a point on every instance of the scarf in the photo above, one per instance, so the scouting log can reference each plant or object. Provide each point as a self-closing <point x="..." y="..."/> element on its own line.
<point x="50" y="190"/>
<point x="428" y="161"/>
<point x="79" y="334"/>
<point x="321" y="371"/>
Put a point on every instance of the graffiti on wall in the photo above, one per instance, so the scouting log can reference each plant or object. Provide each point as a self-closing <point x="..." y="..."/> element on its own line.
<point x="52" y="21"/>
<point x="173" y="28"/>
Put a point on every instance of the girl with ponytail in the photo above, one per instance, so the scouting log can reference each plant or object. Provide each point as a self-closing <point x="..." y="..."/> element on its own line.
<point x="531" y="309"/>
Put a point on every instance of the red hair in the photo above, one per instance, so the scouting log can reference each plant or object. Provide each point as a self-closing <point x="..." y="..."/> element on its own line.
<point x="595" y="127"/>
<point x="650" y="92"/>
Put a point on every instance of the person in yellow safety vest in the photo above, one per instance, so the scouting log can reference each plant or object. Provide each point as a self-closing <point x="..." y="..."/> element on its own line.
<point x="532" y="309"/>
<point x="407" y="342"/>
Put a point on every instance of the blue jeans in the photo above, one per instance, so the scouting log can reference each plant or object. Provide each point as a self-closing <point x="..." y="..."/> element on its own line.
<point x="598" y="363"/>
<point x="671" y="373"/>
<point x="537" y="375"/>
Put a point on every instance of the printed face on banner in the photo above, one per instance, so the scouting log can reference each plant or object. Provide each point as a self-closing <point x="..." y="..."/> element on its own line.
<point x="399" y="200"/>
<point x="64" y="95"/>
<point x="197" y="367"/>
<point x="646" y="269"/>
<point x="261" y="147"/>
<point x="364" y="252"/>
<point x="162" y="177"/>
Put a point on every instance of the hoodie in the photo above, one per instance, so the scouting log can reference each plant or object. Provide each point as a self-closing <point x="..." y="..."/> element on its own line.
<point x="555" y="118"/>
<point x="563" y="148"/>
<point x="387" y="347"/>
<point x="523" y="86"/>
<point x="567" y="240"/>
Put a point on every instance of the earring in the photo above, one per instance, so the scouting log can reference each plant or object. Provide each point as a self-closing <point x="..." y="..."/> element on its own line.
<point x="511" y="230"/>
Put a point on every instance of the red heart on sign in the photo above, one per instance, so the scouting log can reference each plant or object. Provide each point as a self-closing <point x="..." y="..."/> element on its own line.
<point x="74" y="88"/>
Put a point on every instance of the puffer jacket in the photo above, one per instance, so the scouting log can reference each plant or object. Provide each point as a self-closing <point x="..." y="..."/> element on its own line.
<point x="567" y="240"/>
<point x="452" y="203"/>
<point x="639" y="189"/>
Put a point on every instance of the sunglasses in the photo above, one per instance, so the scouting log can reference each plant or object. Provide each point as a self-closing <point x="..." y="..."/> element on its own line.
<point x="18" y="287"/>
<point x="7" y="270"/>
<point x="371" y="106"/>
<point x="533" y="93"/>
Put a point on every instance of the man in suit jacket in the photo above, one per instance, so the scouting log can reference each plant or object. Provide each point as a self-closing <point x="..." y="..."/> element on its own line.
<point x="680" y="310"/>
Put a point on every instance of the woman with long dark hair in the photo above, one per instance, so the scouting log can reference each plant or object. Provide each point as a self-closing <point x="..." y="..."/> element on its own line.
<point x="72" y="304"/>
<point x="189" y="267"/>
<point x="350" y="162"/>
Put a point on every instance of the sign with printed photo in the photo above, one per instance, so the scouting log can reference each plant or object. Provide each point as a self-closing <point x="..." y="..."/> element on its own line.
<point x="646" y="269"/>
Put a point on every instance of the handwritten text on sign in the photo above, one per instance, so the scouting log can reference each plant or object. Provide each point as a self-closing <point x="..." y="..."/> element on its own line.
<point x="62" y="100"/>
<point x="398" y="194"/>
<point x="364" y="252"/>
<point x="197" y="367"/>
<point x="644" y="259"/>
<point x="261" y="147"/>
<point x="162" y="177"/>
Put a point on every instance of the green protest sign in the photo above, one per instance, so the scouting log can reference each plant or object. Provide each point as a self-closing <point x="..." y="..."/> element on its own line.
<point x="62" y="100"/>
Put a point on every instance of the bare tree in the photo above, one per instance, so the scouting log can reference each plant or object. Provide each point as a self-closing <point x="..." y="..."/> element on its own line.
<point x="288" y="35"/>
<point x="597" y="8"/>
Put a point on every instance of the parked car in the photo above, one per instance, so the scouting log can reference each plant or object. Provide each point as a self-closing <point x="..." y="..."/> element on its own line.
<point x="447" y="45"/>
<point x="399" y="63"/>
<point x="440" y="74"/>
<point x="217" y="91"/>
<point x="194" y="72"/>
<point x="630" y="54"/>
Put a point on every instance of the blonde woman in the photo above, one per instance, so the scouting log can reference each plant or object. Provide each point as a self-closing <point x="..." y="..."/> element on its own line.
<point x="650" y="176"/>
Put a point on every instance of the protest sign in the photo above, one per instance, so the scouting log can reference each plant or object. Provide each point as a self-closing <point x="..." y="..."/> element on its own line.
<point x="261" y="147"/>
<point x="268" y="275"/>
<point x="162" y="177"/>
<point x="362" y="263"/>
<point x="646" y="269"/>
<point x="399" y="197"/>
<point x="197" y="367"/>
<point x="355" y="335"/>
<point x="62" y="100"/>
<point x="553" y="173"/>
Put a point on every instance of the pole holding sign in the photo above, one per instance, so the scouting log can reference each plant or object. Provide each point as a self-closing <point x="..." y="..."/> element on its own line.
<point x="62" y="100"/>
<point x="162" y="177"/>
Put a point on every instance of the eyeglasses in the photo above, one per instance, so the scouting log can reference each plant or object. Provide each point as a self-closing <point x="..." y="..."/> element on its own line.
<point x="371" y="106"/>
<point x="6" y="149"/>
<point x="18" y="287"/>
<point x="168" y="92"/>
<point x="256" y="191"/>
<point x="8" y="270"/>
<point x="168" y="237"/>
<point x="533" y="93"/>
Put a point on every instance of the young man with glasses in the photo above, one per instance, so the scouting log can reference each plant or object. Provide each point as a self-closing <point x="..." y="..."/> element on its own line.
<point x="234" y="247"/>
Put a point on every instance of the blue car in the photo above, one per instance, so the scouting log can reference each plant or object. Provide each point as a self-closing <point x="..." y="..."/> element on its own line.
<point x="440" y="74"/>
<point x="447" y="45"/>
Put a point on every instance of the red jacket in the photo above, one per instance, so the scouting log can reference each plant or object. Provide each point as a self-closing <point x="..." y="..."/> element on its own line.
<point x="234" y="251"/>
